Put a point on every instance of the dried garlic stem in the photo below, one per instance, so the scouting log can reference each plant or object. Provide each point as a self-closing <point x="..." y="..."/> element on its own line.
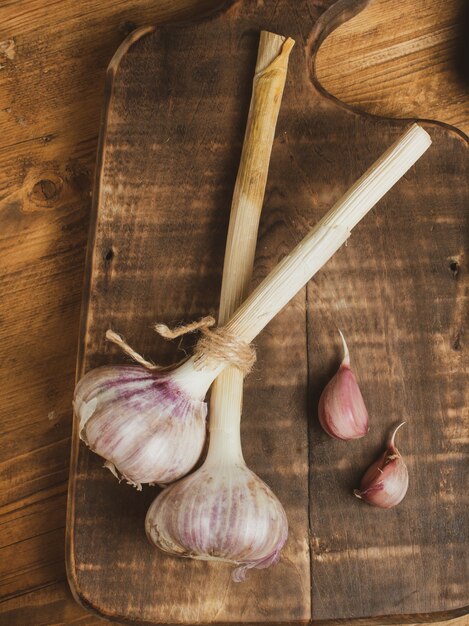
<point x="294" y="271"/>
<point x="248" y="196"/>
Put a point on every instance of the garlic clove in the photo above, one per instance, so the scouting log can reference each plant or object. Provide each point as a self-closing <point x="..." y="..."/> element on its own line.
<point x="386" y="481"/>
<point x="342" y="411"/>
<point x="220" y="513"/>
<point x="143" y="423"/>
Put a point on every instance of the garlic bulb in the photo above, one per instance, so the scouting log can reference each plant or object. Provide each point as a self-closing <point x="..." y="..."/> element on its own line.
<point x="342" y="410"/>
<point x="386" y="481"/>
<point x="149" y="426"/>
<point x="221" y="512"/>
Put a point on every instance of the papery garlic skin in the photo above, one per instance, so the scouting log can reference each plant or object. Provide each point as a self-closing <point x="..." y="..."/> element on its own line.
<point x="386" y="481"/>
<point x="342" y="411"/>
<point x="143" y="423"/>
<point x="225" y="514"/>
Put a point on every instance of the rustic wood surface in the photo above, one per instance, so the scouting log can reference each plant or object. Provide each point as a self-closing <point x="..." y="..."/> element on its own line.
<point x="53" y="61"/>
<point x="164" y="250"/>
<point x="371" y="60"/>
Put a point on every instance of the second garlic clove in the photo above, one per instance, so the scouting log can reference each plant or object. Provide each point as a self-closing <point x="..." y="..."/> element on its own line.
<point x="386" y="481"/>
<point x="342" y="410"/>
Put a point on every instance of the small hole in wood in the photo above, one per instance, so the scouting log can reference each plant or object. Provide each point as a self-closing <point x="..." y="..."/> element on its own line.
<point x="454" y="268"/>
<point x="457" y="342"/>
<point x="109" y="255"/>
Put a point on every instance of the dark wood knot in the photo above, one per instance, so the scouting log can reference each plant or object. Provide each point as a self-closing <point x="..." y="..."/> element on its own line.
<point x="46" y="191"/>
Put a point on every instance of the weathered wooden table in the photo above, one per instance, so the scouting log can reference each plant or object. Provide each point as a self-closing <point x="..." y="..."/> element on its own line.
<point x="52" y="62"/>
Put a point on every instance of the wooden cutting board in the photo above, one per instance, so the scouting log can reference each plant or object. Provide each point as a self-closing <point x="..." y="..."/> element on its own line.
<point x="176" y="105"/>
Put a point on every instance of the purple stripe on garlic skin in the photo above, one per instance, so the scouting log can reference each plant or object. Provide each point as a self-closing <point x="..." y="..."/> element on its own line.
<point x="145" y="424"/>
<point x="222" y="512"/>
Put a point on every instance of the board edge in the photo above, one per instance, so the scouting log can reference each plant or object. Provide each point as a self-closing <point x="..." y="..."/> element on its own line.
<point x="111" y="73"/>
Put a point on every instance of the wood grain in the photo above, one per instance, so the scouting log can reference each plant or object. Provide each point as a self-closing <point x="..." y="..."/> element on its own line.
<point x="372" y="60"/>
<point x="51" y="85"/>
<point x="146" y="248"/>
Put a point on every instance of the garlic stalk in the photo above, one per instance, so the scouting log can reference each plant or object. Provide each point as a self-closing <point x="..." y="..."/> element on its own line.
<point x="342" y="411"/>
<point x="190" y="381"/>
<point x="224" y="512"/>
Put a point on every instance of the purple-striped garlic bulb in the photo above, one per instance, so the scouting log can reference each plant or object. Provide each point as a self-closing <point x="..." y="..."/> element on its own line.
<point x="149" y="426"/>
<point x="342" y="411"/>
<point x="222" y="512"/>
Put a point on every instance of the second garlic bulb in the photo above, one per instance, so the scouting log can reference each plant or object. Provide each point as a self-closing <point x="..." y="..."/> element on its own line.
<point x="220" y="513"/>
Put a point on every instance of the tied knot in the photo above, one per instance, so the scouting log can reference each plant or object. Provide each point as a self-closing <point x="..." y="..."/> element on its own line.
<point x="217" y="345"/>
<point x="220" y="345"/>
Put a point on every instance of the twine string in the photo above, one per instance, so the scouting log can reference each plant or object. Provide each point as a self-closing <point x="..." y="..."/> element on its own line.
<point x="214" y="346"/>
<point x="218" y="345"/>
<point x="184" y="329"/>
<point x="124" y="346"/>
